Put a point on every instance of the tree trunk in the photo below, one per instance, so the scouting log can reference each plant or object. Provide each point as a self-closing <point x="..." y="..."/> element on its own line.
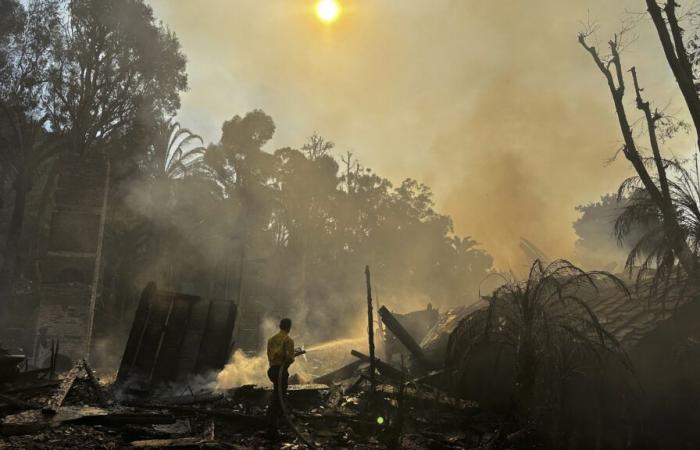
<point x="526" y="374"/>
<point x="676" y="55"/>
<point x="34" y="232"/>
<point x="673" y="229"/>
<point x="14" y="234"/>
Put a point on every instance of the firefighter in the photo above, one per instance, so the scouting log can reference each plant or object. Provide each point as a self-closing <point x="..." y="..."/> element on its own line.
<point x="280" y="354"/>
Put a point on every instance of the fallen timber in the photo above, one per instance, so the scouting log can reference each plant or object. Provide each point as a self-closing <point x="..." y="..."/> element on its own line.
<point x="405" y="338"/>
<point x="343" y="373"/>
<point x="385" y="369"/>
<point x="35" y="420"/>
<point x="57" y="399"/>
<point x="238" y="414"/>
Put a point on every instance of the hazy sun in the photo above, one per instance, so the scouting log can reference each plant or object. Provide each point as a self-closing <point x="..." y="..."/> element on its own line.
<point x="327" y="10"/>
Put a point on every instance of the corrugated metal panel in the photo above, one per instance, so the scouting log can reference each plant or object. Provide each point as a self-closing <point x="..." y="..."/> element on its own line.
<point x="176" y="335"/>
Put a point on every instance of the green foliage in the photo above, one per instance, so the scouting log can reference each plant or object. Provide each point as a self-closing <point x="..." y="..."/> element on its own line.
<point x="76" y="76"/>
<point x="113" y="62"/>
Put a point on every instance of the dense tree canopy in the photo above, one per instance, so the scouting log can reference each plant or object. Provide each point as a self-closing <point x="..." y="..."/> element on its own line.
<point x="76" y="76"/>
<point x="295" y="231"/>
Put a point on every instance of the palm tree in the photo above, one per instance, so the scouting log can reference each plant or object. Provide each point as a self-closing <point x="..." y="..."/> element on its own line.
<point x="167" y="156"/>
<point x="548" y="327"/>
<point x="654" y="250"/>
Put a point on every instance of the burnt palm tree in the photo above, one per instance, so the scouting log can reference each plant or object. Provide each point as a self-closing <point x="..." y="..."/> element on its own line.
<point x="547" y="325"/>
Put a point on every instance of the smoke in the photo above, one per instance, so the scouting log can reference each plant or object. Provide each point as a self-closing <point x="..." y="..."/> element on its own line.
<point x="243" y="370"/>
<point x="493" y="104"/>
<point x="322" y="356"/>
<point x="246" y="369"/>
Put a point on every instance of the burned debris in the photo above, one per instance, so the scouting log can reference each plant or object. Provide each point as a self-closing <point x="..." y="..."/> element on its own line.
<point x="459" y="397"/>
<point x="175" y="336"/>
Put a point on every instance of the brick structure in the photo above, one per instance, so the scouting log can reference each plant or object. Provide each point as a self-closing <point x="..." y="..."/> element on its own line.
<point x="69" y="273"/>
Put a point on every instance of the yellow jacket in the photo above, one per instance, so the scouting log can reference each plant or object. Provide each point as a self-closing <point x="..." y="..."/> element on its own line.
<point x="280" y="349"/>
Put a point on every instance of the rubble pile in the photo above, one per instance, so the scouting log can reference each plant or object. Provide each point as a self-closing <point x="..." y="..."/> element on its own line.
<point x="75" y="410"/>
<point x="158" y="399"/>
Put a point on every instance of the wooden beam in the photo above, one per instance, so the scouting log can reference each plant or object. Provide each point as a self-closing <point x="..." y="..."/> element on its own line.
<point x="339" y="374"/>
<point x="404" y="337"/>
<point x="98" y="265"/>
<point x="370" y="331"/>
<point x="384" y="368"/>
<point x="59" y="396"/>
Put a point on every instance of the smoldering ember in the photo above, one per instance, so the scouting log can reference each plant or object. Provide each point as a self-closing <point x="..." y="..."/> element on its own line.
<point x="349" y="224"/>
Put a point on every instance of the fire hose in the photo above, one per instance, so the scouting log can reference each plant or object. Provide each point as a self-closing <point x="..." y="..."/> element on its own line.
<point x="283" y="406"/>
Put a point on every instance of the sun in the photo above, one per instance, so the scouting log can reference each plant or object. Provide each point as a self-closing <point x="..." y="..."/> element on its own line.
<point x="327" y="10"/>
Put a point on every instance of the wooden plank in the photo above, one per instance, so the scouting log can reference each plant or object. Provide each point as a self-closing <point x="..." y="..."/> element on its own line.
<point x="187" y="442"/>
<point x="138" y="330"/>
<point x="214" y="352"/>
<point x="98" y="264"/>
<point x="205" y="339"/>
<point x="161" y="337"/>
<point x="175" y="335"/>
<point x="36" y="420"/>
<point x="134" y="417"/>
<point x="182" y="335"/>
<point x="59" y="396"/>
<point x="189" y="352"/>
<point x="151" y="338"/>
<point x="174" y="332"/>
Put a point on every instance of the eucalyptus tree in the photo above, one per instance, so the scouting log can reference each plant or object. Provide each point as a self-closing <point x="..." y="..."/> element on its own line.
<point x="26" y="139"/>
<point x="79" y="76"/>
<point x="652" y="171"/>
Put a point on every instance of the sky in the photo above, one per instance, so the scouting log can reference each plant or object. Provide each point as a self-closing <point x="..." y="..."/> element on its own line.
<point x="494" y="105"/>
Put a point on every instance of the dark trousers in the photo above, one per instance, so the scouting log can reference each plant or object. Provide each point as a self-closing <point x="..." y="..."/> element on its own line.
<point x="275" y="408"/>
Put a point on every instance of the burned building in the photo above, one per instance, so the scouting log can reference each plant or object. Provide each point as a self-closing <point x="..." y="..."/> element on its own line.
<point x="68" y="274"/>
<point x="174" y="336"/>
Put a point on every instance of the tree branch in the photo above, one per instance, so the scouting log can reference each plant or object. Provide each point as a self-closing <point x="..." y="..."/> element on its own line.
<point x="651" y="119"/>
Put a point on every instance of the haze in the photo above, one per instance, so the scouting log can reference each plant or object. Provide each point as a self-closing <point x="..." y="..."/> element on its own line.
<point x="492" y="104"/>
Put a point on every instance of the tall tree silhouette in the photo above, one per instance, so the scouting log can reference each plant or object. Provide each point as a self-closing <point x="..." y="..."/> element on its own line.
<point x="83" y="78"/>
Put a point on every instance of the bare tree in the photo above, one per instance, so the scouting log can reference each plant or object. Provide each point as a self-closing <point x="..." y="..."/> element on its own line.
<point x="671" y="37"/>
<point x="656" y="185"/>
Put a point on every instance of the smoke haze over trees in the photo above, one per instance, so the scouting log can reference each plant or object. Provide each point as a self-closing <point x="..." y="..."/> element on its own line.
<point x="444" y="91"/>
<point x="290" y="228"/>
